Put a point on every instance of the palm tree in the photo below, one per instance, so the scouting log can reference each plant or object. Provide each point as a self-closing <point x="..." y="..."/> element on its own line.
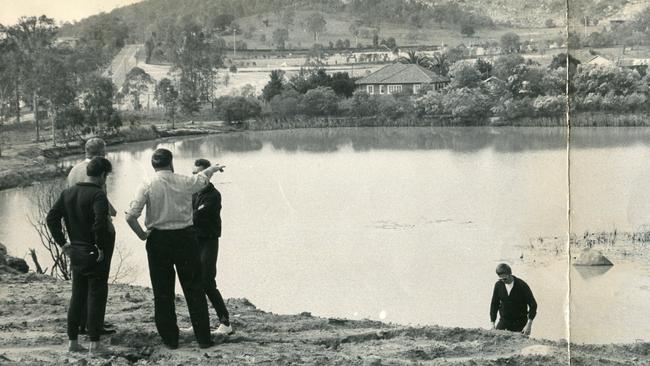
<point x="412" y="57"/>
<point x="439" y="64"/>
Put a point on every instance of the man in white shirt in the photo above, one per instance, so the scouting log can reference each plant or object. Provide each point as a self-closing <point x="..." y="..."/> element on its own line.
<point x="172" y="244"/>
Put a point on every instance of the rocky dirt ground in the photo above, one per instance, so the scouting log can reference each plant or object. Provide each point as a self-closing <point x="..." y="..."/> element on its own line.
<point x="33" y="322"/>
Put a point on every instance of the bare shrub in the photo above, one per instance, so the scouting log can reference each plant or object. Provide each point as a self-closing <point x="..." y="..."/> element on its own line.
<point x="43" y="197"/>
<point x="122" y="268"/>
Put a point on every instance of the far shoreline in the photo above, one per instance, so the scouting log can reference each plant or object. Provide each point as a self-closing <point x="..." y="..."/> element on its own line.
<point x="29" y="165"/>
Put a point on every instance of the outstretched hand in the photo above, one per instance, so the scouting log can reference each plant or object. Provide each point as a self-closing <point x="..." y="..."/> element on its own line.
<point x="527" y="329"/>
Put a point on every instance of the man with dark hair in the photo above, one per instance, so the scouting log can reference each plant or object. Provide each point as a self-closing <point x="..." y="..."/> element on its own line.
<point x="206" y="205"/>
<point x="94" y="147"/>
<point x="171" y="243"/>
<point x="514" y="301"/>
<point x="84" y="208"/>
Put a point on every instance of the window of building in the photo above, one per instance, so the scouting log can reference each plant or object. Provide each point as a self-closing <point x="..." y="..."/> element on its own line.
<point x="392" y="89"/>
<point x="416" y="88"/>
<point x="370" y="89"/>
<point x="382" y="89"/>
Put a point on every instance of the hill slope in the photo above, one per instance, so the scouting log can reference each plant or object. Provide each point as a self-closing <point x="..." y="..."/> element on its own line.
<point x="142" y="18"/>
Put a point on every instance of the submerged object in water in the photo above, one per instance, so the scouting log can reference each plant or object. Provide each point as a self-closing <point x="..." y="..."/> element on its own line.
<point x="590" y="257"/>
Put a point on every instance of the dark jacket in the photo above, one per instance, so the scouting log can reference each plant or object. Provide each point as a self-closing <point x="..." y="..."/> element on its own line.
<point x="84" y="208"/>
<point x="206" y="205"/>
<point x="517" y="306"/>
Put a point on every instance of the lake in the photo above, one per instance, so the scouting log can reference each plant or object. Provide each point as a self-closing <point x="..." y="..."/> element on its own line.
<point x="405" y="225"/>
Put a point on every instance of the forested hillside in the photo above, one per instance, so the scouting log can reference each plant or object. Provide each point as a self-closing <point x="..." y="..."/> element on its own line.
<point x="148" y="16"/>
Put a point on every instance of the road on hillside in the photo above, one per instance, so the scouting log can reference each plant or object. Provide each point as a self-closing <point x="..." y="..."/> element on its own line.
<point x="122" y="63"/>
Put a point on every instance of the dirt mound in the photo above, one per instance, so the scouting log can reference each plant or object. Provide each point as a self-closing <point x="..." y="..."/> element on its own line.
<point x="33" y="332"/>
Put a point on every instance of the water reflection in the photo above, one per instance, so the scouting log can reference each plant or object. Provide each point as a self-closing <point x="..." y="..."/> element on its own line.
<point x="589" y="272"/>
<point x="461" y="139"/>
<point x="604" y="137"/>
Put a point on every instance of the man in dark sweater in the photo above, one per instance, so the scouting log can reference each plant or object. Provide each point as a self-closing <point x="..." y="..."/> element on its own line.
<point x="84" y="208"/>
<point x="514" y="301"/>
<point x="206" y="207"/>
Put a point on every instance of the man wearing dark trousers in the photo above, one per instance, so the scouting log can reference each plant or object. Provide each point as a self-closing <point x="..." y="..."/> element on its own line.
<point x="206" y="205"/>
<point x="84" y="208"/>
<point x="514" y="301"/>
<point x="94" y="147"/>
<point x="171" y="244"/>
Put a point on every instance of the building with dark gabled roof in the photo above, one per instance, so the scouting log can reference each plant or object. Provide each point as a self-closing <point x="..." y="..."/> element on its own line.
<point x="401" y="78"/>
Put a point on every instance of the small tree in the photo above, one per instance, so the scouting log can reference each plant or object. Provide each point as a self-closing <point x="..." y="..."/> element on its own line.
<point x="43" y="198"/>
<point x="412" y="57"/>
<point x="510" y="42"/>
<point x="137" y="82"/>
<point x="189" y="96"/>
<point x="464" y="75"/>
<point x="342" y="84"/>
<point x="286" y="104"/>
<point x="355" y="30"/>
<point x="274" y="86"/>
<point x="484" y="67"/>
<point x="467" y="30"/>
<point x="99" y="95"/>
<point x="550" y="23"/>
<point x="316" y="24"/>
<point x="167" y="95"/>
<point x="321" y="101"/>
<point x="280" y="37"/>
<point x="239" y="109"/>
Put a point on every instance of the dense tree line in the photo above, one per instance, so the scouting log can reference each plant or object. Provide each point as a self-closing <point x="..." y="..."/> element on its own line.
<point x="55" y="81"/>
<point x="509" y="88"/>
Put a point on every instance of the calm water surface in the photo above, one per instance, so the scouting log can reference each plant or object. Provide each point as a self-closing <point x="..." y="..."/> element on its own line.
<point x="405" y="225"/>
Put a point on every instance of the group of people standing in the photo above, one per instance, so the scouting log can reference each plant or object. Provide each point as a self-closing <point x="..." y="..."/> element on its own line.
<point x="182" y="231"/>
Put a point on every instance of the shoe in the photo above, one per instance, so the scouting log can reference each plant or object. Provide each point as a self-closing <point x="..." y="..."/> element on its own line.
<point x="108" y="325"/>
<point x="171" y="346"/>
<point x="77" y="348"/>
<point x="107" y="331"/>
<point x="206" y="345"/>
<point x="224" y="329"/>
<point x="97" y="349"/>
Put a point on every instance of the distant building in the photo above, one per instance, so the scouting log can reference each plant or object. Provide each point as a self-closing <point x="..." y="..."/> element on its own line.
<point x="638" y="64"/>
<point x="401" y="78"/>
<point x="67" y="41"/>
<point x="599" y="60"/>
<point x="616" y="22"/>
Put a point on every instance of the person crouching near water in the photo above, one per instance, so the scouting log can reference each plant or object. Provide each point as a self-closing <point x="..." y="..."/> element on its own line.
<point x="84" y="208"/>
<point x="514" y="301"/>
<point x="171" y="244"/>
<point x="206" y="205"/>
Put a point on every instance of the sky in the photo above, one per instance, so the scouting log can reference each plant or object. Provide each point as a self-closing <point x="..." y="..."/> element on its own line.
<point x="60" y="10"/>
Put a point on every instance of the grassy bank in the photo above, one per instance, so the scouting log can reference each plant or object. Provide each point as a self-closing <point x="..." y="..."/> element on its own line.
<point x="270" y="123"/>
<point x="607" y="119"/>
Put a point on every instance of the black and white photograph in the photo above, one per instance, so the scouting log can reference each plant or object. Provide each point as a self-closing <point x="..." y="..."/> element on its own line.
<point x="325" y="182"/>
